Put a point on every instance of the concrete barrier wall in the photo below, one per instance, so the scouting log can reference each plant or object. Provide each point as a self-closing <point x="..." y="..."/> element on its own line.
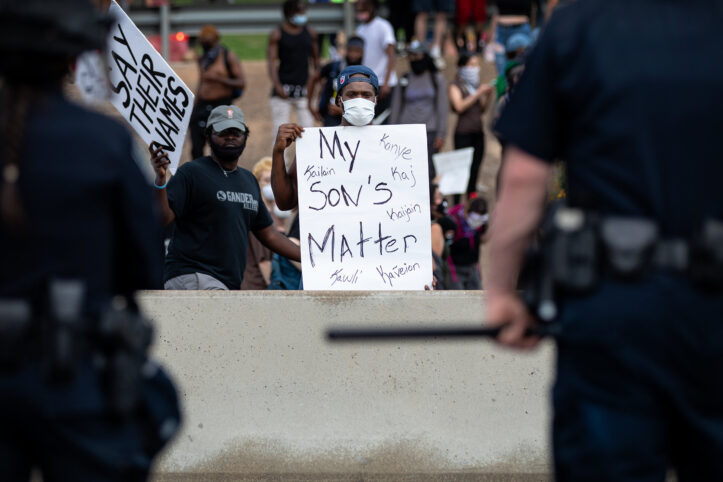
<point x="265" y="395"/>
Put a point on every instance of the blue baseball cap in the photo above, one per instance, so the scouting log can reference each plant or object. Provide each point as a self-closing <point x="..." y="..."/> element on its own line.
<point x="518" y="41"/>
<point x="367" y="75"/>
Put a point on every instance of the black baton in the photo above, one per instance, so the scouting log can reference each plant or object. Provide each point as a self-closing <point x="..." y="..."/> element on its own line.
<point x="407" y="334"/>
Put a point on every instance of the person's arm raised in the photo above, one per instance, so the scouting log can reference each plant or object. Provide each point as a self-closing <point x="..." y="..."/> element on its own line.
<point x="282" y="182"/>
<point x="278" y="243"/>
<point x="160" y="162"/>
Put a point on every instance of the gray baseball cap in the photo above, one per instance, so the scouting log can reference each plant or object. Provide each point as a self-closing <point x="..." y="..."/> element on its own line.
<point x="227" y="117"/>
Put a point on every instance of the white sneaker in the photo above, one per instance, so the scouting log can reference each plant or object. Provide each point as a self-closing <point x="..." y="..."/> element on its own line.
<point x="436" y="54"/>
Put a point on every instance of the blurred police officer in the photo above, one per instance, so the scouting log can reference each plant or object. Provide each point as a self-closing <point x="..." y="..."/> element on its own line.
<point x="78" y="398"/>
<point x="625" y="92"/>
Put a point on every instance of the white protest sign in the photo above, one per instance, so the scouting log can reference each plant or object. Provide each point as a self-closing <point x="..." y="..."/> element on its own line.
<point x="145" y="90"/>
<point x="453" y="170"/>
<point x="364" y="208"/>
<point x="91" y="77"/>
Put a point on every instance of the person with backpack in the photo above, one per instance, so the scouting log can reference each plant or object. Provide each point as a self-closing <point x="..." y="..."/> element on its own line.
<point x="326" y="110"/>
<point x="221" y="82"/>
<point x="421" y="98"/>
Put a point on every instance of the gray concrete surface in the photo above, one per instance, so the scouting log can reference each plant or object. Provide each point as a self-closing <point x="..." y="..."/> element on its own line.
<point x="267" y="398"/>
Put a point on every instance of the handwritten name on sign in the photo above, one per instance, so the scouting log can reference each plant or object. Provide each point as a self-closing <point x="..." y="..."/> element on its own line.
<point x="145" y="90"/>
<point x="364" y="208"/>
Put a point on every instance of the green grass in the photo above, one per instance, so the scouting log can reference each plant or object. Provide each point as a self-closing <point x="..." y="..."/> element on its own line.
<point x="247" y="47"/>
<point x="253" y="46"/>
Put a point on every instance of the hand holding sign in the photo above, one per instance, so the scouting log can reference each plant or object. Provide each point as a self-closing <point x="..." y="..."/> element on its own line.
<point x="160" y="162"/>
<point x="288" y="133"/>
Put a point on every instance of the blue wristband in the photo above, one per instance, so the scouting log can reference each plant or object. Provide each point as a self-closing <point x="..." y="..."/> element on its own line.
<point x="159" y="187"/>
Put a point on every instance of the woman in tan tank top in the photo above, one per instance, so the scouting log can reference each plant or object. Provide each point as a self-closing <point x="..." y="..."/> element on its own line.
<point x="469" y="100"/>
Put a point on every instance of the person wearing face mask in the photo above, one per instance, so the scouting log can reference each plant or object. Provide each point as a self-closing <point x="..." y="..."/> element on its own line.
<point x="291" y="45"/>
<point x="470" y="99"/>
<point x="215" y="204"/>
<point x="421" y="98"/>
<point x="357" y="97"/>
<point x="327" y="111"/>
<point x="471" y="224"/>
<point x="221" y="81"/>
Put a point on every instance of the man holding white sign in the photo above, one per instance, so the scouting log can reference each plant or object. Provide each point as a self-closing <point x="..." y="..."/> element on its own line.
<point x="215" y="204"/>
<point x="363" y="196"/>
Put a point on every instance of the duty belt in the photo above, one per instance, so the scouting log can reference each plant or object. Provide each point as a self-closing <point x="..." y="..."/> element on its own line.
<point x="578" y="248"/>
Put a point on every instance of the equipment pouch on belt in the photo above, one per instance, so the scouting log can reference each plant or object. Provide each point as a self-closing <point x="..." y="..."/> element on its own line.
<point x="706" y="257"/>
<point x="629" y="245"/>
<point x="567" y="259"/>
<point x="572" y="250"/>
<point x="126" y="336"/>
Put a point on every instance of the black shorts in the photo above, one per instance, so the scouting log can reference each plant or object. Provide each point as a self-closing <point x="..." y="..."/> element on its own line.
<point x="446" y="6"/>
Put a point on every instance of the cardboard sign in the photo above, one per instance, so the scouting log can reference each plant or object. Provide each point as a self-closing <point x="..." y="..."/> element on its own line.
<point x="91" y="77"/>
<point x="364" y="208"/>
<point x="145" y="90"/>
<point x="453" y="170"/>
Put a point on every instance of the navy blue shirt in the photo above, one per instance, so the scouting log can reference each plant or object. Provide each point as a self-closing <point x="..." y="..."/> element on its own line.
<point x="214" y="213"/>
<point x="630" y="94"/>
<point x="89" y="211"/>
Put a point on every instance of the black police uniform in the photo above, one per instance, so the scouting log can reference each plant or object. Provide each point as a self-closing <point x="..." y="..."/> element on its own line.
<point x="88" y="216"/>
<point x="629" y="94"/>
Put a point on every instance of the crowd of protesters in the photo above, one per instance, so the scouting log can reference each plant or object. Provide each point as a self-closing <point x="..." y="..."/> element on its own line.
<point x="204" y="254"/>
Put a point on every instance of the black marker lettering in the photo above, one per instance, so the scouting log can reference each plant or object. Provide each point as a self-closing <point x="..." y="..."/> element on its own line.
<point x="344" y="249"/>
<point x="381" y="239"/>
<point x="329" y="232"/>
<point x="311" y="189"/>
<point x="405" y="240"/>
<point x="178" y="90"/>
<point x="362" y="240"/>
<point x="147" y="63"/>
<point x="123" y="41"/>
<point x="379" y="188"/>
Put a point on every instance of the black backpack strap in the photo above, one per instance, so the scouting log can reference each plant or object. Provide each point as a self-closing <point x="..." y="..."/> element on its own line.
<point x="228" y="63"/>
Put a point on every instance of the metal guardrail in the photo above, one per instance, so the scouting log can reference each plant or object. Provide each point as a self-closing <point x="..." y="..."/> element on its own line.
<point x="241" y="19"/>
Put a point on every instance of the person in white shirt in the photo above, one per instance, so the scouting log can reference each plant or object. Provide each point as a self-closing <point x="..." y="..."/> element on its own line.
<point x="379" y="52"/>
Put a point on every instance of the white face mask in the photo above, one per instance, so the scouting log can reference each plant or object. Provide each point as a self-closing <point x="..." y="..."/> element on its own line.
<point x="281" y="214"/>
<point x="475" y="220"/>
<point x="267" y="192"/>
<point x="358" y="112"/>
<point x="470" y="75"/>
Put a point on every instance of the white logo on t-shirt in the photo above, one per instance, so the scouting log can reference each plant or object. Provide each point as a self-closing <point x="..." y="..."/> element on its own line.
<point x="244" y="198"/>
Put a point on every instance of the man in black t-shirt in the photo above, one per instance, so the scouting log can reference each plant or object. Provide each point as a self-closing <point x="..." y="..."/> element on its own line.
<point x="639" y="357"/>
<point x="215" y="204"/>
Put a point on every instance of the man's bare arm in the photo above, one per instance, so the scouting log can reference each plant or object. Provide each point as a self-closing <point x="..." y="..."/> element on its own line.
<point x="516" y="217"/>
<point x="272" y="56"/>
<point x="160" y="162"/>
<point x="278" y="243"/>
<point x="282" y="182"/>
